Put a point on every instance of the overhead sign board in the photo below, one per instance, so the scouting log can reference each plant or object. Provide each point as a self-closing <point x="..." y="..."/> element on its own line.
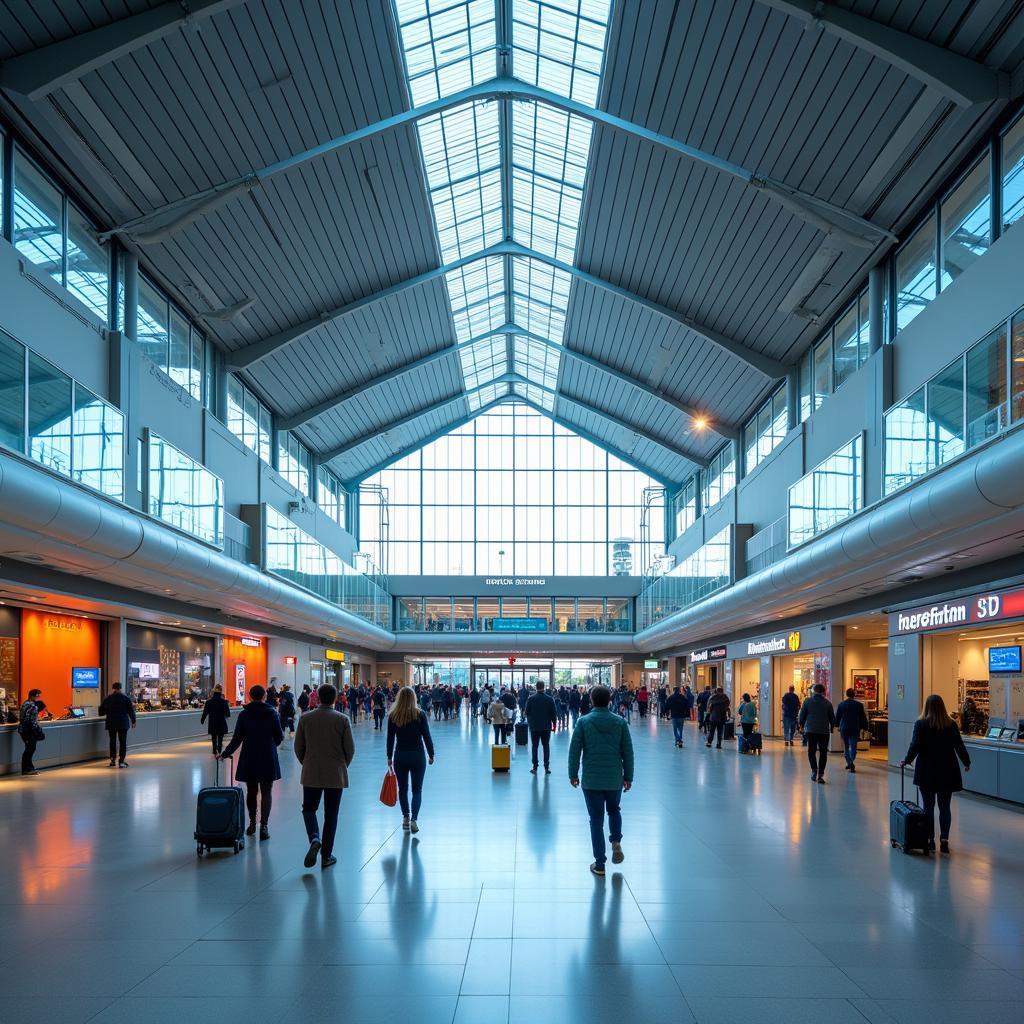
<point x="652" y="663"/>
<point x="965" y="611"/>
<point x="523" y="625"/>
<point x="334" y="655"/>
<point x="251" y="641"/>
<point x="515" y="581"/>
<point x="707" y="654"/>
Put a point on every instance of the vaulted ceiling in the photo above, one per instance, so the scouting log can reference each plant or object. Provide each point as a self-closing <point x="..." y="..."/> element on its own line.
<point x="634" y="215"/>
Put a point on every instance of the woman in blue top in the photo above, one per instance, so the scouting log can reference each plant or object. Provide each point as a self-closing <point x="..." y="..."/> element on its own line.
<point x="408" y="738"/>
<point x="748" y="715"/>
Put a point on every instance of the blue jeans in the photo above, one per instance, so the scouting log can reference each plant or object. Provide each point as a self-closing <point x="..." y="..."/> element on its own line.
<point x="850" y="748"/>
<point x="677" y="729"/>
<point x="788" y="728"/>
<point x="627" y="713"/>
<point x="598" y="800"/>
<point x="410" y="765"/>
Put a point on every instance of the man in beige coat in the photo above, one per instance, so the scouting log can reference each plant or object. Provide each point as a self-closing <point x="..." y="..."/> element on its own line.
<point x="325" y="748"/>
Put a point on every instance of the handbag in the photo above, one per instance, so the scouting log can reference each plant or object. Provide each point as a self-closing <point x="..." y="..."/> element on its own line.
<point x="389" y="789"/>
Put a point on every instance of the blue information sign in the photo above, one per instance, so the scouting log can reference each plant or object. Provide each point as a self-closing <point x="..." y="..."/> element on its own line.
<point x="85" y="678"/>
<point x="519" y="625"/>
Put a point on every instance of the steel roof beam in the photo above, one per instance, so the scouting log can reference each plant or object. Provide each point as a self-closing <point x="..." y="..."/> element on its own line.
<point x="43" y="70"/>
<point x="404" y="421"/>
<point x="253" y="353"/>
<point x="518" y="378"/>
<point x="841" y="224"/>
<point x="961" y="79"/>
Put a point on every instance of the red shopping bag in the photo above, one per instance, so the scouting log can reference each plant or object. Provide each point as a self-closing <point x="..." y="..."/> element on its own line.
<point x="389" y="789"/>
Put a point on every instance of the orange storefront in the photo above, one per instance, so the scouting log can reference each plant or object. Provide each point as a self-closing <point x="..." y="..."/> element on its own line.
<point x="245" y="665"/>
<point x="52" y="644"/>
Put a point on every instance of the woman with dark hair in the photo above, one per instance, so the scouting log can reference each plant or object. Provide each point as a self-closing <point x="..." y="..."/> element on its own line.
<point x="748" y="715"/>
<point x="410" y="748"/>
<point x="216" y="711"/>
<point x="936" y="746"/>
<point x="258" y="732"/>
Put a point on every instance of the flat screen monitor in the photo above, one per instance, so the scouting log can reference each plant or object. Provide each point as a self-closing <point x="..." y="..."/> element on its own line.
<point x="1004" y="659"/>
<point x="147" y="669"/>
<point x="994" y="732"/>
<point x="1008" y="734"/>
<point x="78" y="712"/>
<point x="85" y="679"/>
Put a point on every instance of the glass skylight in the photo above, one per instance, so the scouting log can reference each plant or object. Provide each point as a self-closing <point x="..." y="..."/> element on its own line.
<point x="478" y="399"/>
<point x="484" y="360"/>
<point x="544" y="399"/>
<point x="462" y="157"/>
<point x="536" y="361"/>
<point x="549" y="165"/>
<point x="477" y="295"/>
<point x="559" y="45"/>
<point x="449" y="45"/>
<point x="540" y="296"/>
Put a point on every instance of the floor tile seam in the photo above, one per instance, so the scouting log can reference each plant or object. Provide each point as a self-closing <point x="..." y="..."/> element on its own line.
<point x="102" y="1009"/>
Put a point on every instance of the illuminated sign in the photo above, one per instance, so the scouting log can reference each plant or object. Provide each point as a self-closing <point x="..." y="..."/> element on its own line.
<point x="67" y="624"/>
<point x="251" y="641"/>
<point x="990" y="607"/>
<point x="771" y="646"/>
<point x="794" y="640"/>
<point x="519" y="625"/>
<point x="515" y="581"/>
<point x="334" y="655"/>
<point x="652" y="664"/>
<point x="707" y="654"/>
<point x="290" y="659"/>
<point x="85" y="678"/>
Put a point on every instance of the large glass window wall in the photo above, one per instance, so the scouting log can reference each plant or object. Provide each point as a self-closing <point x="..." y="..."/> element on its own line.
<point x="184" y="493"/>
<point x="478" y="614"/>
<point x="705" y="572"/>
<point x="249" y="419"/>
<point x="509" y="493"/>
<point x="294" y="462"/>
<point x="719" y="478"/>
<point x="685" y="506"/>
<point x="300" y="559"/>
<point x="169" y="339"/>
<point x="331" y="496"/>
<point x="831" y="492"/>
<point x="69" y="429"/>
<point x="765" y="430"/>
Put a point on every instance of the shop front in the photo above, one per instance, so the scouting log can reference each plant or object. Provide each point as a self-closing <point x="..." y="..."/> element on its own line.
<point x="245" y="665"/>
<point x="707" y="667"/>
<point x="62" y="655"/>
<point x="966" y="649"/>
<point x="169" y="670"/>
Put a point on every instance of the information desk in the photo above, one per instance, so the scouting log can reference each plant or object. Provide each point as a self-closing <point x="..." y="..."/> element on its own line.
<point x="85" y="739"/>
<point x="997" y="768"/>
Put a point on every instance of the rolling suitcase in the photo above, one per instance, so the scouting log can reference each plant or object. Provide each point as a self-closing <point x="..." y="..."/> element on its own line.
<point x="522" y="734"/>
<point x="730" y="729"/>
<point x="220" y="815"/>
<point x="908" y="827"/>
<point x="754" y="743"/>
<point x="501" y="757"/>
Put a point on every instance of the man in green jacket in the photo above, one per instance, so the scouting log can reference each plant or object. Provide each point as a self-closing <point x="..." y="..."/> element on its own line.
<point x="603" y="741"/>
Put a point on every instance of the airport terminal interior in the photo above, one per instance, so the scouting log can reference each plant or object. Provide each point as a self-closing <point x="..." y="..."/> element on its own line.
<point x="633" y="382"/>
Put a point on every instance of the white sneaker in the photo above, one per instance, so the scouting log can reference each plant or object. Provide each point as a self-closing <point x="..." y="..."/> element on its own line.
<point x="413" y="827"/>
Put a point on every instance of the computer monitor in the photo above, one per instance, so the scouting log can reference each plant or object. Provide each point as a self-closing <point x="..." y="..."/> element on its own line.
<point x="78" y="712"/>
<point x="994" y="732"/>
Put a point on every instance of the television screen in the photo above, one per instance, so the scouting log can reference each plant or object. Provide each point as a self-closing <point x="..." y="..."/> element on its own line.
<point x="147" y="669"/>
<point x="85" y="678"/>
<point x="1004" y="659"/>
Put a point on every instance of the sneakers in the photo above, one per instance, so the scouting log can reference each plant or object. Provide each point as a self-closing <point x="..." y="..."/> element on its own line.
<point x="123" y="764"/>
<point x="413" y="827"/>
<point x="405" y="823"/>
<point x="821" y="780"/>
<point x="814" y="776"/>
<point x="264" y="832"/>
<point x="113" y="764"/>
<point x="328" y="862"/>
<point x="251" y="830"/>
<point x="312" y="853"/>
<point x="547" y="770"/>
<point x="943" y="846"/>
<point x="533" y="770"/>
<point x="853" y="769"/>
<point x="597" y="869"/>
<point x="34" y="771"/>
<point x="617" y="855"/>
<point x="849" y="767"/>
<point x="708" y="745"/>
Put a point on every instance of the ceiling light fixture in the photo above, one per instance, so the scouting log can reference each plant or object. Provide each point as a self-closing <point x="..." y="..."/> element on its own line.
<point x="700" y="422"/>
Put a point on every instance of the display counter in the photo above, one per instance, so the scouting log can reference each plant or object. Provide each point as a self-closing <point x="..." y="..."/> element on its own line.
<point x="997" y="768"/>
<point x="71" y="740"/>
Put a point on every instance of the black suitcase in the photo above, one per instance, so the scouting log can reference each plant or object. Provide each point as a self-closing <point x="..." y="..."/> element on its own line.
<point x="754" y="743"/>
<point x="220" y="816"/>
<point x="522" y="734"/>
<point x="908" y="826"/>
<point x="730" y="730"/>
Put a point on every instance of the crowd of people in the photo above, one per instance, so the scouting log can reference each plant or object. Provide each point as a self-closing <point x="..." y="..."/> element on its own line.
<point x="321" y="719"/>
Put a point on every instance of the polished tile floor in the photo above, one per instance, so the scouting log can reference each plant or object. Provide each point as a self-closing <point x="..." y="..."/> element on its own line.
<point x="748" y="894"/>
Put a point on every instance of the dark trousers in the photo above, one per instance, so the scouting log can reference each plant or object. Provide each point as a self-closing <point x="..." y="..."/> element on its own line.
<point x="500" y="733"/>
<point x="715" y="729"/>
<point x="599" y="801"/>
<point x="310" y="805"/>
<point x="264" y="791"/>
<point x="642" y="705"/>
<point x="944" y="798"/>
<point x="701" y="720"/>
<point x="817" y="751"/>
<point x="542" y="736"/>
<point x="747" y="727"/>
<point x="118" y="740"/>
<point x="410" y="768"/>
<point x="217" y="739"/>
<point x="26" y="755"/>
<point x="378" y="718"/>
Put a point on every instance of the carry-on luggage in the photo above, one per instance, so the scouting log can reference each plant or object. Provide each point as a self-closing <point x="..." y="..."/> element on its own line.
<point x="522" y="734"/>
<point x="220" y="815"/>
<point x="501" y="757"/>
<point x="730" y="729"/>
<point x="908" y="826"/>
<point x="754" y="743"/>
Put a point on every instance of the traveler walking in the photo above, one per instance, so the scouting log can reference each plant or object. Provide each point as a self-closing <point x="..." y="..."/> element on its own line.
<point x="119" y="711"/>
<point x="817" y="719"/>
<point x="258" y="732"/>
<point x="702" y="708"/>
<point x="603" y="742"/>
<point x="314" y="700"/>
<point x="286" y="709"/>
<point x="474" y="700"/>
<point x="662" y="700"/>
<point x="303" y="698"/>
<point x="715" y="716"/>
<point x="936" y="746"/>
<point x="585" y="704"/>
<point x="324" y="747"/>
<point x="790" y="713"/>
<point x="30" y="730"/>
<point x="499" y="716"/>
<point x="642" y="698"/>
<point x="216" y="711"/>
<point x="272" y="695"/>
<point x="542" y="716"/>
<point x="677" y="707"/>
<point x="851" y="718"/>
<point x="748" y="715"/>
<point x="410" y="750"/>
<point x="379" y="702"/>
<point x="486" y="696"/>
<point x="574" y="705"/>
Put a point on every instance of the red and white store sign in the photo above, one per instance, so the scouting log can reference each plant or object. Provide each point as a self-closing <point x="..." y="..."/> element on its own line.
<point x="977" y="610"/>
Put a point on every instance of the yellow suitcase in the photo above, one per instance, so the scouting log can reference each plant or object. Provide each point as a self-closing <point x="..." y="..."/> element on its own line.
<point x="501" y="757"/>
